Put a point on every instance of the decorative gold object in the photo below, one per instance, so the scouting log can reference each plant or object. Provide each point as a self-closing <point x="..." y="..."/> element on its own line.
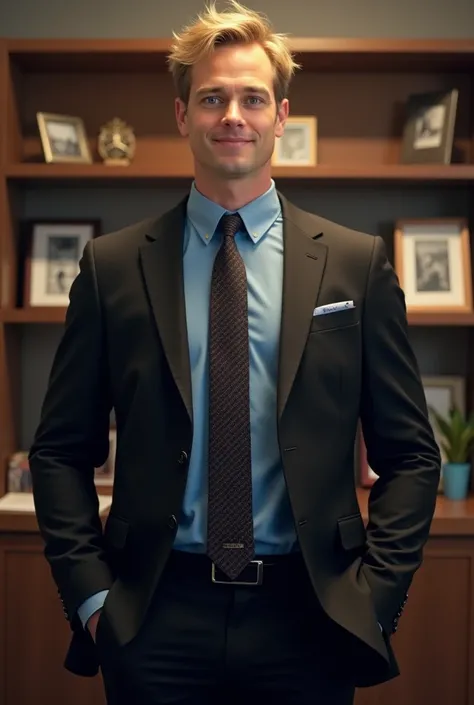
<point x="116" y="143"/>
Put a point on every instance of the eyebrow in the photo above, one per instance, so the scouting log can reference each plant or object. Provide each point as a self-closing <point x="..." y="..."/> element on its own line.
<point x="213" y="90"/>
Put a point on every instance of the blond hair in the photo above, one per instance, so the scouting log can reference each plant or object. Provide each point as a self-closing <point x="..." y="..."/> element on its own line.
<point x="237" y="25"/>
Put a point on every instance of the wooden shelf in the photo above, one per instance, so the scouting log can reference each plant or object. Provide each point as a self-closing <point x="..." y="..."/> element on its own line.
<point x="40" y="314"/>
<point x="441" y="319"/>
<point x="53" y="314"/>
<point x="37" y="173"/>
<point x="97" y="172"/>
<point x="337" y="54"/>
<point x="452" y="518"/>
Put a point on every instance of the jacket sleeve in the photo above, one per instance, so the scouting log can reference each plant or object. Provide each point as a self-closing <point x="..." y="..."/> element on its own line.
<point x="70" y="441"/>
<point x="401" y="447"/>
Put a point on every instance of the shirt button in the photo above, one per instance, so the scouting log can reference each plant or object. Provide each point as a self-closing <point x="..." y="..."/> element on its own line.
<point x="172" y="523"/>
<point x="183" y="456"/>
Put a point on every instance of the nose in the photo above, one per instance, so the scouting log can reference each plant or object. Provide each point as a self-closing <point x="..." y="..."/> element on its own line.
<point x="233" y="116"/>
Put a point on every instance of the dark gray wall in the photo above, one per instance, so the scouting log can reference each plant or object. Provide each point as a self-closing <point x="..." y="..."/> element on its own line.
<point x="358" y="207"/>
<point x="157" y="18"/>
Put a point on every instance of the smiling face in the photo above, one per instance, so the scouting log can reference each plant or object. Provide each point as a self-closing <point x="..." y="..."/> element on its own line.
<point x="232" y="118"/>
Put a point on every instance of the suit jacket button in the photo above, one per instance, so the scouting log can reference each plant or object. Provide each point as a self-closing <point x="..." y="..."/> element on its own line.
<point x="183" y="456"/>
<point x="172" y="523"/>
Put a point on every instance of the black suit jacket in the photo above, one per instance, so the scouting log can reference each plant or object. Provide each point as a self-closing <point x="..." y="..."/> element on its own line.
<point x="125" y="345"/>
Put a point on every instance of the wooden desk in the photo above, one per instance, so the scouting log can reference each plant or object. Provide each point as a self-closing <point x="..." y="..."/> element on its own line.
<point x="434" y="643"/>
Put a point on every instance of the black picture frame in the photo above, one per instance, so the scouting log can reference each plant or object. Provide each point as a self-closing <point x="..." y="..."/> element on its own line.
<point x="429" y="127"/>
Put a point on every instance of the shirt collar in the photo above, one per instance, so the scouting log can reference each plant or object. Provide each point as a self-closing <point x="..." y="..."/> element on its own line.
<point x="258" y="215"/>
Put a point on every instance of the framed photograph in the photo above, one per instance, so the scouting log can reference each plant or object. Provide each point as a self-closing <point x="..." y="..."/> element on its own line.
<point x="429" y="128"/>
<point x="443" y="392"/>
<point x="104" y="476"/>
<point x="297" y="145"/>
<point x="63" y="138"/>
<point x="53" y="252"/>
<point x="433" y="263"/>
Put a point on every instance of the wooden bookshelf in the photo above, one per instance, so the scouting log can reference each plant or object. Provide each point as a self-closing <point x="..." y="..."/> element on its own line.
<point x="360" y="124"/>
<point x="358" y="89"/>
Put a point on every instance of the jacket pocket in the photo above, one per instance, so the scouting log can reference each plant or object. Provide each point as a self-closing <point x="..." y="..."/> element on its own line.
<point x="352" y="532"/>
<point x="116" y="532"/>
<point x="338" y="319"/>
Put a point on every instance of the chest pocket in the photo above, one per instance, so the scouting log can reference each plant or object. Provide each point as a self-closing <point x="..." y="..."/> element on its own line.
<point x="333" y="321"/>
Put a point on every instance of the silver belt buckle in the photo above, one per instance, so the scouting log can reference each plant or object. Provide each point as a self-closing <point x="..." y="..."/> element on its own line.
<point x="258" y="576"/>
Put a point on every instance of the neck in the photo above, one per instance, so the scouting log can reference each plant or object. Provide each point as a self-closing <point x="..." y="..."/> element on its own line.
<point x="232" y="194"/>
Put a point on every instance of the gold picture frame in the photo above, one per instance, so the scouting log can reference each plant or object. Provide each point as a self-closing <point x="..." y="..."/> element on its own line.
<point x="63" y="138"/>
<point x="433" y="264"/>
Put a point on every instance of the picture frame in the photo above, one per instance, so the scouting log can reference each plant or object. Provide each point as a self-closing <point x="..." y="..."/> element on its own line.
<point x="442" y="392"/>
<point x="298" y="144"/>
<point x="433" y="264"/>
<point x="63" y="138"/>
<point x="428" y="132"/>
<point x="53" y="250"/>
<point x="104" y="475"/>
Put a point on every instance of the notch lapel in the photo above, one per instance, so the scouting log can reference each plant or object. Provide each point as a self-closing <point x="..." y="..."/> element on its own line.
<point x="162" y="266"/>
<point x="304" y="263"/>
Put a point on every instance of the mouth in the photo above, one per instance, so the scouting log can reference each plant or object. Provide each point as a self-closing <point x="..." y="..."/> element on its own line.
<point x="231" y="141"/>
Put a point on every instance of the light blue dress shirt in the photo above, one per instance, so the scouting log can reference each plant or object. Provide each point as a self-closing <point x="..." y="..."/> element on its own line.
<point x="261" y="248"/>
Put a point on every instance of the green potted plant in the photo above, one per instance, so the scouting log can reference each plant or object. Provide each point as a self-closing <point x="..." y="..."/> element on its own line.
<point x="457" y="434"/>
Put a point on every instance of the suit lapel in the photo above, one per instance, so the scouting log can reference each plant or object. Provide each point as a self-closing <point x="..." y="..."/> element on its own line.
<point x="304" y="261"/>
<point x="162" y="265"/>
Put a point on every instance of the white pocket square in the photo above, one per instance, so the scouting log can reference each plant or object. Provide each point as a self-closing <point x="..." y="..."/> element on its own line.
<point x="333" y="308"/>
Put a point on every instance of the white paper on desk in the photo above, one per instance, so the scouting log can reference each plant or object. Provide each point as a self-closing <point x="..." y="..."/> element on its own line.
<point x="23" y="502"/>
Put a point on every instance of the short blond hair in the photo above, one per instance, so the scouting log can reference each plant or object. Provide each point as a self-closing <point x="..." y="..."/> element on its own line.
<point x="236" y="25"/>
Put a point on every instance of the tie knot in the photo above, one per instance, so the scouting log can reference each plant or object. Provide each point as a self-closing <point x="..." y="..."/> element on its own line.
<point x="231" y="224"/>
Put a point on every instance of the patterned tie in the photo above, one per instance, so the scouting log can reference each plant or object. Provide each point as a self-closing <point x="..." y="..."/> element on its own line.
<point x="230" y="521"/>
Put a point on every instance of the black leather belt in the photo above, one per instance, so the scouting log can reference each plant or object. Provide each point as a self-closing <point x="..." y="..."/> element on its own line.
<point x="262" y="569"/>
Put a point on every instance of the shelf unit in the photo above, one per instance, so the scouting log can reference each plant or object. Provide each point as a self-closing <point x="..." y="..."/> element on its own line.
<point x="356" y="87"/>
<point x="389" y="173"/>
<point x="56" y="314"/>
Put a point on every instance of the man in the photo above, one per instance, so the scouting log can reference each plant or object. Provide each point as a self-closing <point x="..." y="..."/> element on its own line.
<point x="239" y="341"/>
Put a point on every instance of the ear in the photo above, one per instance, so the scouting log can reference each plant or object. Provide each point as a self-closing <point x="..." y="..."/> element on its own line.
<point x="283" y="110"/>
<point x="181" y="116"/>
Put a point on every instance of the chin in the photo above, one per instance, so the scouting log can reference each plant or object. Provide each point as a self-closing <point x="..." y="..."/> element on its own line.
<point x="236" y="168"/>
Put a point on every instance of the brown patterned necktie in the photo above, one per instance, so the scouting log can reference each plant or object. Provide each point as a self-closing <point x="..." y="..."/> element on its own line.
<point x="230" y="522"/>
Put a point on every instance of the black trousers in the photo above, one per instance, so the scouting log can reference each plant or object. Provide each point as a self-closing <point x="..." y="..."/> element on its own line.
<point x="204" y="643"/>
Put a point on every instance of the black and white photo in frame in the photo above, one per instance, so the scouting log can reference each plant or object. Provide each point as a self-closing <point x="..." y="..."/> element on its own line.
<point x="52" y="260"/>
<point x="298" y="144"/>
<point x="433" y="264"/>
<point x="63" y="138"/>
<point x="428" y="132"/>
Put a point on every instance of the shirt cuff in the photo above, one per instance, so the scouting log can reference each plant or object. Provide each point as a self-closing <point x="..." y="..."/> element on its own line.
<point x="91" y="605"/>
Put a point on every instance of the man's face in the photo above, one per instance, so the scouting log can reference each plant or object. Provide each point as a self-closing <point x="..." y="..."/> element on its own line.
<point x="232" y="117"/>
